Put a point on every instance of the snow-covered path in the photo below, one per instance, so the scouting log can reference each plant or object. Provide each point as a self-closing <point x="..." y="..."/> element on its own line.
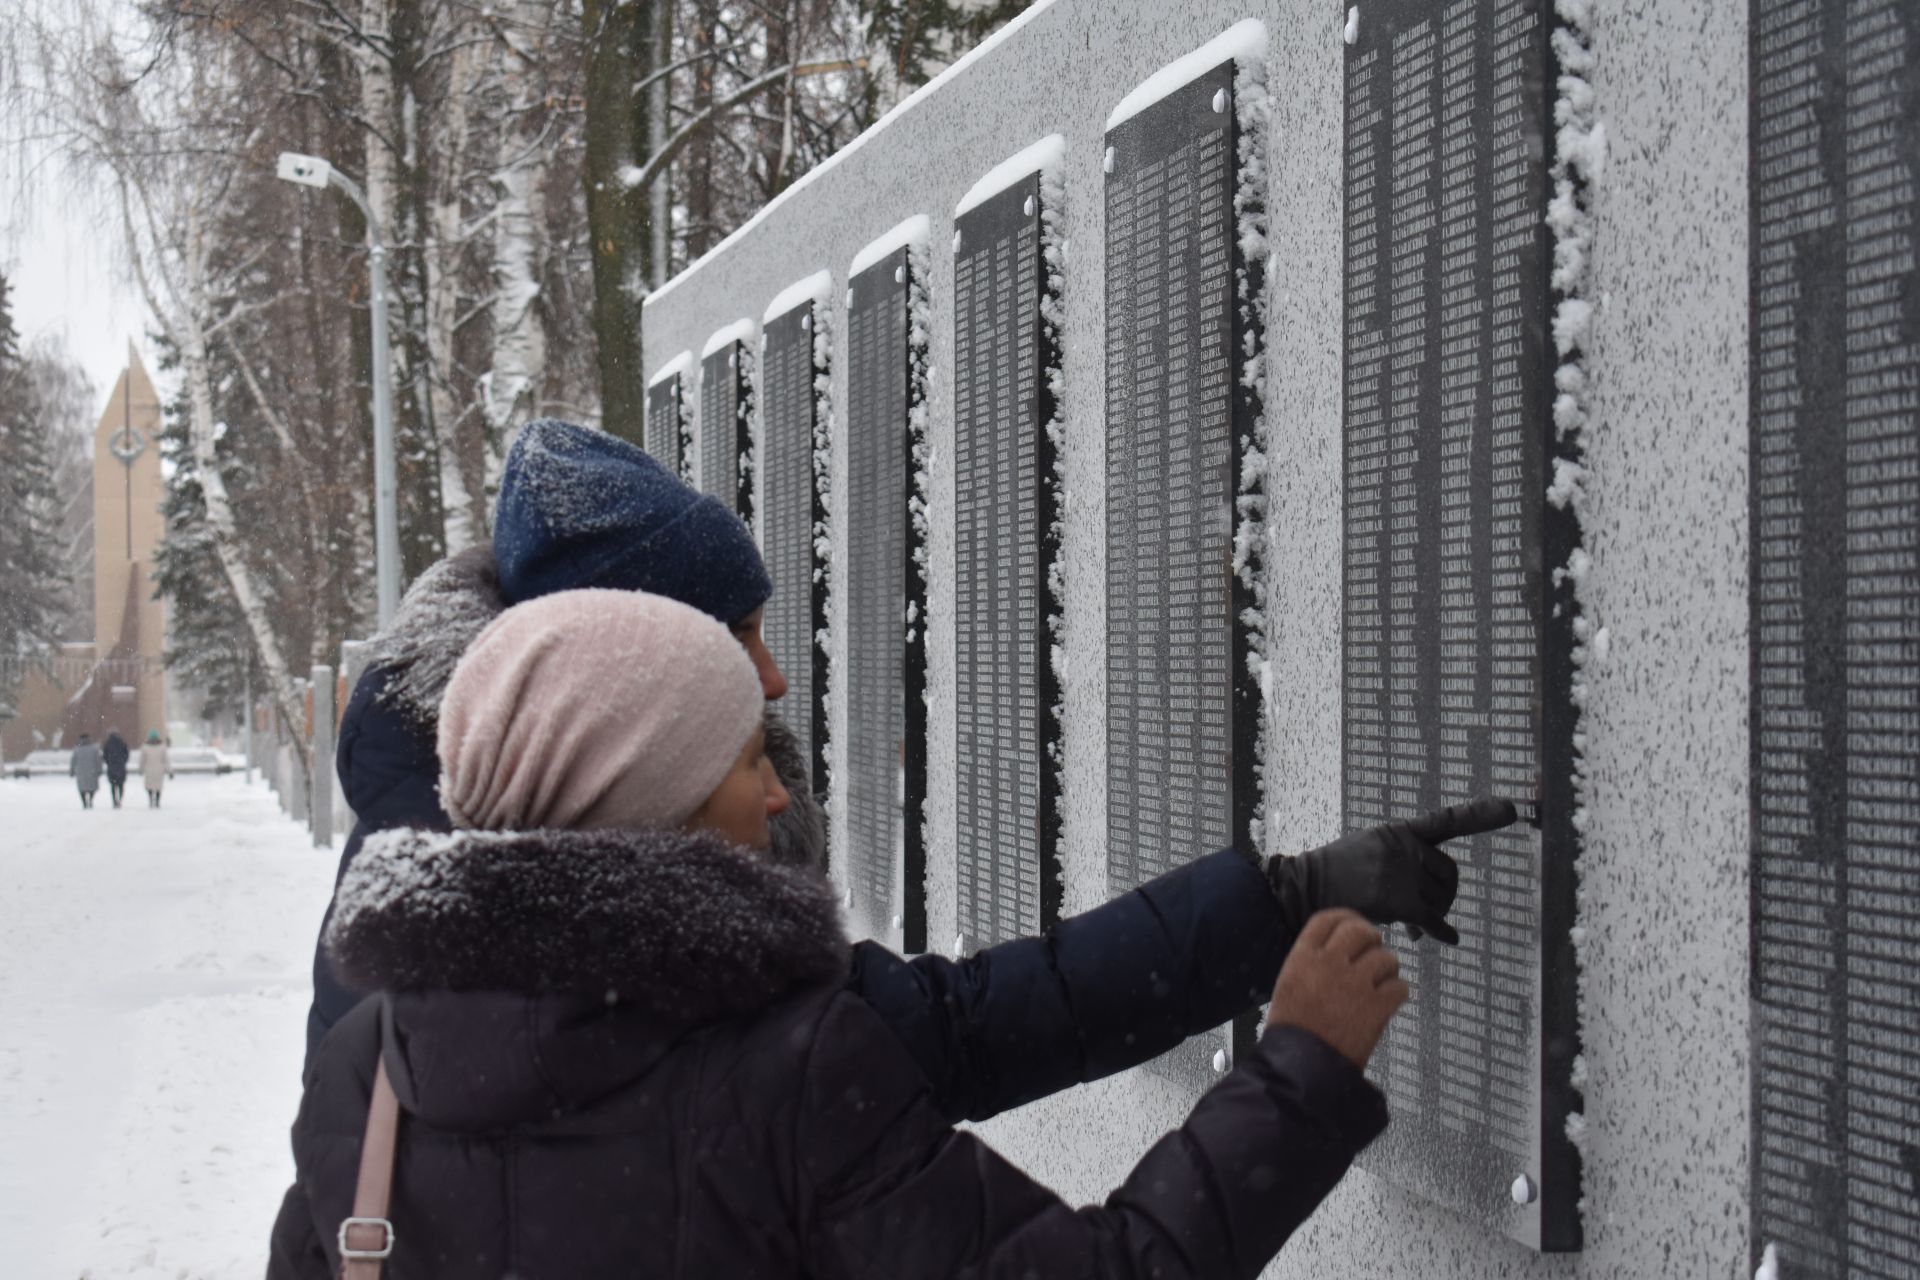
<point x="153" y="993"/>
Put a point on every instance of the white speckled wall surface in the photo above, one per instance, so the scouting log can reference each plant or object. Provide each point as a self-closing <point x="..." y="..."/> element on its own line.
<point x="1664" y="873"/>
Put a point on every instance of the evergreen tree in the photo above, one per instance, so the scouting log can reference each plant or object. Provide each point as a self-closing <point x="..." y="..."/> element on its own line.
<point x="207" y="643"/>
<point x="32" y="578"/>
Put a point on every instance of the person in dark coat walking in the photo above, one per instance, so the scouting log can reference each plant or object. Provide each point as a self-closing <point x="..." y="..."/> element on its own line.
<point x="84" y="768"/>
<point x="1099" y="993"/>
<point x="623" y="1045"/>
<point x="115" y="753"/>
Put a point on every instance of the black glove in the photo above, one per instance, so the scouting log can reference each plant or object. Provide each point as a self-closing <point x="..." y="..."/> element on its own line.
<point x="1395" y="874"/>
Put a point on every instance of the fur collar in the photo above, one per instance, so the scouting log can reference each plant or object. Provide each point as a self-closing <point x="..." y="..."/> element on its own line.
<point x="686" y="927"/>
<point x="443" y="613"/>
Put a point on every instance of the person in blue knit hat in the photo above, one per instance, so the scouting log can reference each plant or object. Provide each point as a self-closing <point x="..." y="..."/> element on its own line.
<point x="1101" y="992"/>
<point x="578" y="508"/>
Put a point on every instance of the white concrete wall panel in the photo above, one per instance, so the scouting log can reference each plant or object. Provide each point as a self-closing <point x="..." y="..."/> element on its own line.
<point x="1664" y="869"/>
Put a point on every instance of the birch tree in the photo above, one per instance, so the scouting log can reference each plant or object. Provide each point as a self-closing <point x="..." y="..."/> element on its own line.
<point x="520" y="223"/>
<point x="167" y="178"/>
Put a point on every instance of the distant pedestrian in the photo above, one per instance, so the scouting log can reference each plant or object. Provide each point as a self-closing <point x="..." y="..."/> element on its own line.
<point x="84" y="769"/>
<point x="153" y="767"/>
<point x="116" y="753"/>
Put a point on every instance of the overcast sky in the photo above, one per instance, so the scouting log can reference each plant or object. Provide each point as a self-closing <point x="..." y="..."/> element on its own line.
<point x="66" y="283"/>
<point x="59" y="252"/>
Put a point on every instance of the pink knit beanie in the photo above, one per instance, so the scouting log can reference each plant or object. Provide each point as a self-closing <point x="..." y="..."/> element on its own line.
<point x="594" y="709"/>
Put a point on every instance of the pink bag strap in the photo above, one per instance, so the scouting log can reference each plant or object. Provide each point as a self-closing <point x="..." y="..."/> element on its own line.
<point x="367" y="1237"/>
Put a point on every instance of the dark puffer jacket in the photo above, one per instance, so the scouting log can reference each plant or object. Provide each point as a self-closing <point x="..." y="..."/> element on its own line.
<point x="624" y="1054"/>
<point x="1102" y="992"/>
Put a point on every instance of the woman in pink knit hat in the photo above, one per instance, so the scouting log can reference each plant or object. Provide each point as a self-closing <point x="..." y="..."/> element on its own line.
<point x="620" y="1040"/>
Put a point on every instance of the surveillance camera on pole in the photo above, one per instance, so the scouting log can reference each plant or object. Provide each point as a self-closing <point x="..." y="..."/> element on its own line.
<point x="312" y="171"/>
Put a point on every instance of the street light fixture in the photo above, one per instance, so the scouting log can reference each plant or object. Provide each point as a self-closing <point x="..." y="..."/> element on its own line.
<point x="312" y="171"/>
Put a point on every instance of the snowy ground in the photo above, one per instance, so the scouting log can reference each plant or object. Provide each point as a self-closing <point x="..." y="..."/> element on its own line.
<point x="153" y="994"/>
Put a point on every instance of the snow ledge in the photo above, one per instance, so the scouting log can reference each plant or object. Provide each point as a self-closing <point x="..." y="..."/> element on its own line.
<point x="741" y="331"/>
<point x="914" y="232"/>
<point x="816" y="288"/>
<point x="678" y="365"/>
<point x="1042" y="157"/>
<point x="1244" y="41"/>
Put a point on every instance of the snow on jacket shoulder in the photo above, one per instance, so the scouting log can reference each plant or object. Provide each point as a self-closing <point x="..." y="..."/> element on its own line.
<point x="675" y="1082"/>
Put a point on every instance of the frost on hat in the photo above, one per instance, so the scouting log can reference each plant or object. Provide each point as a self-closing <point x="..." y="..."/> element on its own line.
<point x="580" y="508"/>
<point x="594" y="710"/>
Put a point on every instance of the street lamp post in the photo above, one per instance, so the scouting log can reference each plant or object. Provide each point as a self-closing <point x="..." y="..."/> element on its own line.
<point x="312" y="171"/>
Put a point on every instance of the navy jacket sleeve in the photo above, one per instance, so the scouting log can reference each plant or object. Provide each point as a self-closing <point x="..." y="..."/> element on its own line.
<point x="390" y="774"/>
<point x="890" y="1189"/>
<point x="1099" y="993"/>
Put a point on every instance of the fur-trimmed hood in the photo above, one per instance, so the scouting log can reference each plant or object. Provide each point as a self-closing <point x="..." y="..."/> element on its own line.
<point x="443" y="613"/>
<point x="528" y="974"/>
<point x="685" y="926"/>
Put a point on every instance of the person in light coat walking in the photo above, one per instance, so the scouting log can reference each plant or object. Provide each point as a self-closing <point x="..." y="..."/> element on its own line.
<point x="85" y="768"/>
<point x="153" y="767"/>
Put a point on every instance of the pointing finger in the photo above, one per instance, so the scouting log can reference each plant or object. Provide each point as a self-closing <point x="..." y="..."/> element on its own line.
<point x="1470" y="819"/>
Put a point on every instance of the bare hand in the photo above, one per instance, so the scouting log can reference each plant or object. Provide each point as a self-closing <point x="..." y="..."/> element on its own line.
<point x="1339" y="983"/>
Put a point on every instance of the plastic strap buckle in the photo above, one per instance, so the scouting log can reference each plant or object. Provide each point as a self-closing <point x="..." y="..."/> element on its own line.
<point x="363" y="1248"/>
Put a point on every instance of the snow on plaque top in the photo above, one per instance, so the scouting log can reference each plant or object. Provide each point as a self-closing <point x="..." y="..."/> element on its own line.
<point x="741" y="330"/>
<point x="814" y="289"/>
<point x="1243" y="42"/>
<point x="1043" y="157"/>
<point x="672" y="368"/>
<point x="914" y="232"/>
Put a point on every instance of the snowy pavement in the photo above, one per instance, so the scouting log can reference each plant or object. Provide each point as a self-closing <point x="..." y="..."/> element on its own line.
<point x="153" y="994"/>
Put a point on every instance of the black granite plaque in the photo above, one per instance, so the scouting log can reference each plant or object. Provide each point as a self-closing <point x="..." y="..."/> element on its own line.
<point x="883" y="844"/>
<point x="667" y="422"/>
<point x="1181" y="711"/>
<point x="1457" y="669"/>
<point x="726" y="440"/>
<point x="793" y="523"/>
<point x="1835" y="634"/>
<point x="1004" y="547"/>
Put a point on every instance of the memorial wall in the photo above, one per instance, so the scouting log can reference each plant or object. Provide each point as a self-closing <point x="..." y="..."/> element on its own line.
<point x="1836" y="637"/>
<point x="1275" y="418"/>
<point x="668" y="413"/>
<point x="791" y="514"/>
<point x="1006" y="361"/>
<point x="1457" y="649"/>
<point x="725" y="444"/>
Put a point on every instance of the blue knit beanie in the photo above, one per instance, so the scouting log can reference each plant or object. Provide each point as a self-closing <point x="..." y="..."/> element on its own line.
<point x="580" y="508"/>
